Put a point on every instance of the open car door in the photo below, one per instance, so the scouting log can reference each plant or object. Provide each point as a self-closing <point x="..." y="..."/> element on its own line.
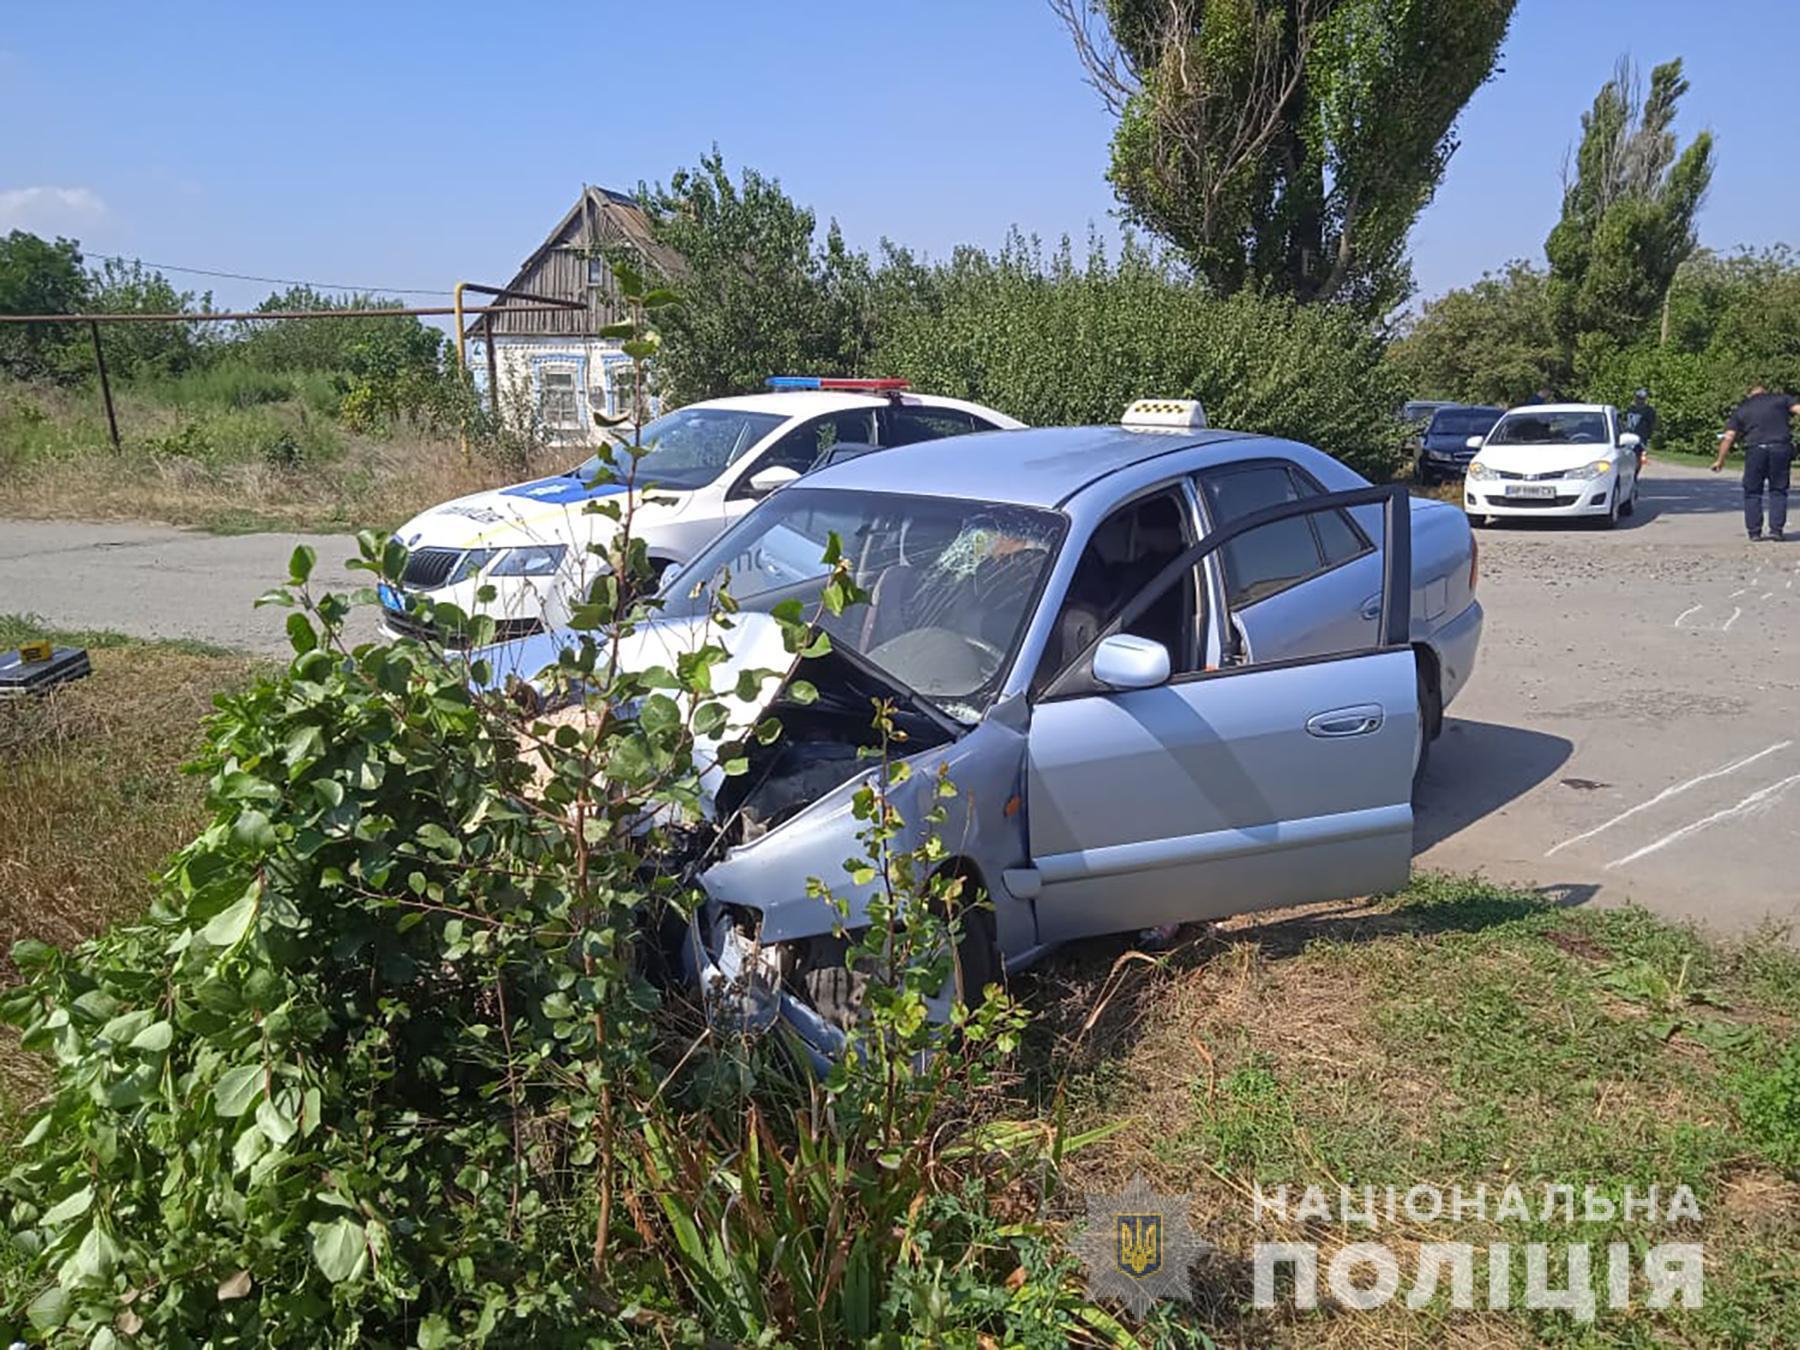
<point x="1153" y="799"/>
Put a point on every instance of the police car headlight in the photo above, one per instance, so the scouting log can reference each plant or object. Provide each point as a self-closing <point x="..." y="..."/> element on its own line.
<point x="535" y="560"/>
<point x="1478" y="470"/>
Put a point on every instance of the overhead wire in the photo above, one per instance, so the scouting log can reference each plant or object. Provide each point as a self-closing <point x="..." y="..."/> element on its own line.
<point x="272" y="281"/>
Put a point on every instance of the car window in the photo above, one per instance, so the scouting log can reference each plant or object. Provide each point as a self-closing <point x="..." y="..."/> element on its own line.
<point x="909" y="425"/>
<point x="1267" y="561"/>
<point x="808" y="443"/>
<point x="1536" y="427"/>
<point x="1121" y="557"/>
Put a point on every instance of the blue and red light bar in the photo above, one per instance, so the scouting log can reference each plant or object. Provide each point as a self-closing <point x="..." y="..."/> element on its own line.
<point x="837" y="382"/>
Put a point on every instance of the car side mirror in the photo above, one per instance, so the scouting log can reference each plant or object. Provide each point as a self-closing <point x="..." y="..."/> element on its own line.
<point x="1630" y="441"/>
<point x="1474" y="442"/>
<point x="765" y="481"/>
<point x="1123" y="661"/>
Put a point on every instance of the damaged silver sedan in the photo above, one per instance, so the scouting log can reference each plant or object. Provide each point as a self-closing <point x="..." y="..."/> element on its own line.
<point x="1174" y="673"/>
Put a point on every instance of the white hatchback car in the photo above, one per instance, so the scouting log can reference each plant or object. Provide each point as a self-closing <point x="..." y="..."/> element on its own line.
<point x="1558" y="460"/>
<point x="706" y="465"/>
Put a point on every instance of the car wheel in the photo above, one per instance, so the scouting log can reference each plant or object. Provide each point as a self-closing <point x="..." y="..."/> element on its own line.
<point x="1611" y="518"/>
<point x="837" y="992"/>
<point x="1430" y="715"/>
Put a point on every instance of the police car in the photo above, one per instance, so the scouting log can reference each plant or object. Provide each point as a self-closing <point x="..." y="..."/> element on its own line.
<point x="705" y="465"/>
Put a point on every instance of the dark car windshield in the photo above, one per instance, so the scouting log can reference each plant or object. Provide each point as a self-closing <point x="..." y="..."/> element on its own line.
<point x="690" y="447"/>
<point x="1531" y="426"/>
<point x="951" y="582"/>
<point x="1463" y="422"/>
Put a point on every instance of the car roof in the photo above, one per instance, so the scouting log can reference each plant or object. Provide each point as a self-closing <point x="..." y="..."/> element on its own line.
<point x="1035" y="466"/>
<point x="1560" y="407"/>
<point x="812" y="402"/>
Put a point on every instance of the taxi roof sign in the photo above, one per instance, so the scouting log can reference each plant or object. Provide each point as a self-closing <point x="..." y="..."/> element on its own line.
<point x="1179" y="414"/>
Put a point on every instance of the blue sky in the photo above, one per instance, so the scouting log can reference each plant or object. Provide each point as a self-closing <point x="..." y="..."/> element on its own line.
<point x="411" y="145"/>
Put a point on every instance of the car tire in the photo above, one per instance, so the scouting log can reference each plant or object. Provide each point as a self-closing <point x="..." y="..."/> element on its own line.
<point x="837" y="992"/>
<point x="1630" y="506"/>
<point x="1430" y="718"/>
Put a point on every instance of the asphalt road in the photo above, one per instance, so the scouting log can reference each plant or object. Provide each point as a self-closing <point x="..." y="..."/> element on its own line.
<point x="160" y="582"/>
<point x="1632" y="731"/>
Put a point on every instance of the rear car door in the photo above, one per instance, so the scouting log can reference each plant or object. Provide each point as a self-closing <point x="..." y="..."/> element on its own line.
<point x="1302" y="586"/>
<point x="1227" y="789"/>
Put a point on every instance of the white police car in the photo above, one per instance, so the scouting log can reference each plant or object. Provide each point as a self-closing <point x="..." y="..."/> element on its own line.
<point x="706" y="465"/>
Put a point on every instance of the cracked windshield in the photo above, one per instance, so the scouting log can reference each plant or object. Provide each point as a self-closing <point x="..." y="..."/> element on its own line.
<point x="950" y="582"/>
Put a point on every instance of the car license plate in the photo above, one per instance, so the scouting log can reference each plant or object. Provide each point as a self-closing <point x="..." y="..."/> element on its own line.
<point x="390" y="597"/>
<point x="1531" y="489"/>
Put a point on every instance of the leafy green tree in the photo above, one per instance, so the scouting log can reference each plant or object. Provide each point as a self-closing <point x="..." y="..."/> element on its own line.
<point x="37" y="277"/>
<point x="1487" y="343"/>
<point x="762" y="297"/>
<point x="1290" y="143"/>
<point x="147" y="349"/>
<point x="1628" y="214"/>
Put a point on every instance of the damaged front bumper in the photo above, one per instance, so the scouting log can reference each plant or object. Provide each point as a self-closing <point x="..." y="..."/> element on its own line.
<point x="741" y="986"/>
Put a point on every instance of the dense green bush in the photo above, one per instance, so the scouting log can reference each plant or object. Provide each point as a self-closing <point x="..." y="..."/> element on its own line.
<point x="1053" y="342"/>
<point x="385" y="1064"/>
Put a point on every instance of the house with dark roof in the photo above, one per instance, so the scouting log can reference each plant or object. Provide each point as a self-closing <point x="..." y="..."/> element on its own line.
<point x="554" y="369"/>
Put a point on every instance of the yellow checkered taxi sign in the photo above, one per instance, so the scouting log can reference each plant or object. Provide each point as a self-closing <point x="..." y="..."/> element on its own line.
<point x="1165" y="414"/>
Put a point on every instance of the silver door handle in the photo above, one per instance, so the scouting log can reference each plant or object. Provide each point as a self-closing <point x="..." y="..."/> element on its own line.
<point x="1358" y="721"/>
<point x="1371" y="608"/>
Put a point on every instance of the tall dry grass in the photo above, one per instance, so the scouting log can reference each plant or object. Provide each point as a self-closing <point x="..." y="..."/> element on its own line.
<point x="260" y="466"/>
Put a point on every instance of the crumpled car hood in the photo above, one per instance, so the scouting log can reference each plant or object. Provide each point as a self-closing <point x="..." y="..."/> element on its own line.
<point x="753" y="642"/>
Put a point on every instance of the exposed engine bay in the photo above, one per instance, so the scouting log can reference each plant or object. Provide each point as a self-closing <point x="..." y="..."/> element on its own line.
<point x="823" y="744"/>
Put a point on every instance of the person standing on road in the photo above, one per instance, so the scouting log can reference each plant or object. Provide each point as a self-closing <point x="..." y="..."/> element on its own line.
<point x="1764" y="423"/>
<point x="1640" y="421"/>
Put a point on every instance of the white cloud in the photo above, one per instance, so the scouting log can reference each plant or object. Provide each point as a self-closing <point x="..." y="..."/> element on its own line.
<point x="49" y="210"/>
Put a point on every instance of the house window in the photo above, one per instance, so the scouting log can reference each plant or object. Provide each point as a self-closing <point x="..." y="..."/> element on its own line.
<point x="596" y="271"/>
<point x="557" y="399"/>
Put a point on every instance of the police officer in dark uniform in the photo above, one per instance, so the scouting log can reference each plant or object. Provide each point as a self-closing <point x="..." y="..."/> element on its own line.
<point x="1764" y="423"/>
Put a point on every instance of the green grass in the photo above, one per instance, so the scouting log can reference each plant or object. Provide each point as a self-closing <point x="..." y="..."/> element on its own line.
<point x="1457" y="1034"/>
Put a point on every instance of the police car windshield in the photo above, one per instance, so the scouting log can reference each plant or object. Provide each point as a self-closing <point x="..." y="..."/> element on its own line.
<point x="1530" y="426"/>
<point x="689" y="447"/>
<point x="951" y="582"/>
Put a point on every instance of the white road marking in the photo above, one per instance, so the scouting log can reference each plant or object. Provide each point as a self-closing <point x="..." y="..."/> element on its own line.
<point x="1739" y="591"/>
<point x="1684" y="613"/>
<point x="1756" y="800"/>
<point x="1733" y="619"/>
<point x="1765" y="595"/>
<point x="1669" y="792"/>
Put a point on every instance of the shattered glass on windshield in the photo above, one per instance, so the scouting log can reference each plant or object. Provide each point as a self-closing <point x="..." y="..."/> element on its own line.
<point x="950" y="582"/>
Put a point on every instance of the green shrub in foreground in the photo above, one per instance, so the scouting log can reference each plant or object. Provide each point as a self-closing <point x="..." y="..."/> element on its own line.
<point x="385" y="1064"/>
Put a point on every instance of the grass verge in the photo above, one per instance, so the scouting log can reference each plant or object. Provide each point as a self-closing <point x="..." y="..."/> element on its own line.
<point x="232" y="469"/>
<point x="92" y="799"/>
<point x="1455" y="1035"/>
